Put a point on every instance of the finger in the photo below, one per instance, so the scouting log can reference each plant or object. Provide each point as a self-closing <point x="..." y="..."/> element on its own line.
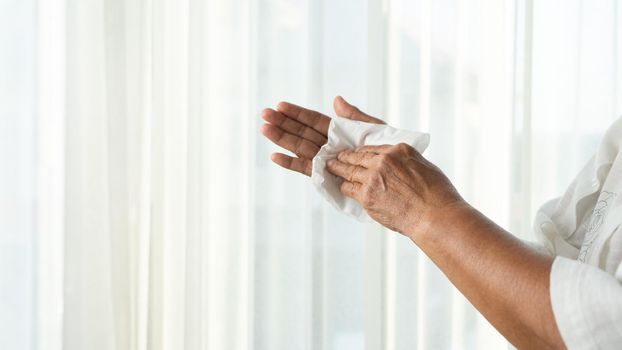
<point x="344" y="109"/>
<point x="300" y="165"/>
<point x="364" y="159"/>
<point x="406" y="149"/>
<point x="346" y="171"/>
<point x="298" y="145"/>
<point x="313" y="119"/>
<point x="374" y="149"/>
<point x="293" y="127"/>
<point x="403" y="148"/>
<point x="350" y="189"/>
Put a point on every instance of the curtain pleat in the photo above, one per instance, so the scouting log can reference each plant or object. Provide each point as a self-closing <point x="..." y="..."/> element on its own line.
<point x="180" y="233"/>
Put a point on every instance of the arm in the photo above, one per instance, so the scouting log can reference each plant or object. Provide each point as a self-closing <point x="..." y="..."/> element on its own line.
<point x="475" y="254"/>
<point x="507" y="281"/>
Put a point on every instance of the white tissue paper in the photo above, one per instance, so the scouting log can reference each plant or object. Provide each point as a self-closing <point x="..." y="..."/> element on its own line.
<point x="346" y="134"/>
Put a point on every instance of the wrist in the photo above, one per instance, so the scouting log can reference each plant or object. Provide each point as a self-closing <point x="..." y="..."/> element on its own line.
<point x="439" y="219"/>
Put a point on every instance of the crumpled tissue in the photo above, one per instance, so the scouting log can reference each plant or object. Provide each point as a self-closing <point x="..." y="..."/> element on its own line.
<point x="346" y="134"/>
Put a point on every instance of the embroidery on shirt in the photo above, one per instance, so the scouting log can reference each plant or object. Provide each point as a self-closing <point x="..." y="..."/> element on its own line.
<point x="596" y="221"/>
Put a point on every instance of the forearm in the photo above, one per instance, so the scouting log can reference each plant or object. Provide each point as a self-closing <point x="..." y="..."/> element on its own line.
<point x="507" y="281"/>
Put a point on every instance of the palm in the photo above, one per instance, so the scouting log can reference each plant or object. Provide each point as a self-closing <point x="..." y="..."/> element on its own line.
<point x="303" y="131"/>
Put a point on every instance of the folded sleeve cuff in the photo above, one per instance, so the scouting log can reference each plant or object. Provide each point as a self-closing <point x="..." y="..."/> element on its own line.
<point x="587" y="304"/>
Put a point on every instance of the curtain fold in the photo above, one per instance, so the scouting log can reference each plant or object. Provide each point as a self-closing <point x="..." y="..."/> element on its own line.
<point x="162" y="223"/>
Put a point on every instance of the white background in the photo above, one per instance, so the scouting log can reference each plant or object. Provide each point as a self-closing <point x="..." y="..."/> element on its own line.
<point x="138" y="205"/>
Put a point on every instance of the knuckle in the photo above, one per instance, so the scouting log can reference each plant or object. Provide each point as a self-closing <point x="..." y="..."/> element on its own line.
<point x="412" y="152"/>
<point x="344" y="187"/>
<point x="375" y="179"/>
<point x="351" y="173"/>
<point x="360" y="157"/>
<point x="404" y="148"/>
<point x="367" y="197"/>
<point x="342" y="156"/>
<point x="386" y="159"/>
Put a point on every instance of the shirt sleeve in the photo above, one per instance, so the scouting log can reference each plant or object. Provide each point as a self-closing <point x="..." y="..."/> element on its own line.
<point x="587" y="304"/>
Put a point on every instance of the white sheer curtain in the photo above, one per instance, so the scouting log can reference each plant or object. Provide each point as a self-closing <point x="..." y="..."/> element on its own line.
<point x="139" y="208"/>
<point x="17" y="174"/>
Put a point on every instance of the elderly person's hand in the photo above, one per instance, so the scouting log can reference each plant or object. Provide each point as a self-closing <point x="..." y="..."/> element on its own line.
<point x="303" y="131"/>
<point x="403" y="191"/>
<point x="397" y="186"/>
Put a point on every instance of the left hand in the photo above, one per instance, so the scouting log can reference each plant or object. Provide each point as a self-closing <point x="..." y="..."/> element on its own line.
<point x="303" y="131"/>
<point x="396" y="185"/>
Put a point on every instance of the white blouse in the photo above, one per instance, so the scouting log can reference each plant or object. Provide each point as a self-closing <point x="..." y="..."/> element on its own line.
<point x="582" y="229"/>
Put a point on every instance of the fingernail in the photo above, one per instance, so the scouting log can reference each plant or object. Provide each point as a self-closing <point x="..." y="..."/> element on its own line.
<point x="330" y="162"/>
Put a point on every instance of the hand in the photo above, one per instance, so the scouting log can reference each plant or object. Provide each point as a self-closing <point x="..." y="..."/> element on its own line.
<point x="396" y="185"/>
<point x="303" y="131"/>
<point x="406" y="193"/>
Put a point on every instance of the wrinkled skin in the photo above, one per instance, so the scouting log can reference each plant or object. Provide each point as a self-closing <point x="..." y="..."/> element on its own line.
<point x="403" y="191"/>
<point x="396" y="185"/>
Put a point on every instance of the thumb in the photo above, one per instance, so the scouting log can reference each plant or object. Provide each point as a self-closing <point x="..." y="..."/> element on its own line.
<point x="346" y="110"/>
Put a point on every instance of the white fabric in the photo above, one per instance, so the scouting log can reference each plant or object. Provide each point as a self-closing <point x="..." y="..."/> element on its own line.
<point x="582" y="228"/>
<point x="165" y="239"/>
<point x="587" y="303"/>
<point x="346" y="134"/>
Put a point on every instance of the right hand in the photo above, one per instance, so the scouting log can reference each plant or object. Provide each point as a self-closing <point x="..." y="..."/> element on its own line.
<point x="303" y="131"/>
